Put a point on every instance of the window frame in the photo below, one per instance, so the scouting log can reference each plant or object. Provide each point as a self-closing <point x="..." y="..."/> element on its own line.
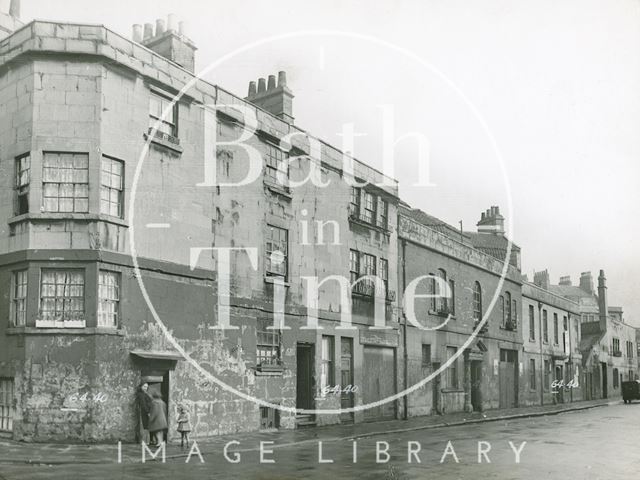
<point x="270" y="346"/>
<point x="19" y="296"/>
<point x="61" y="185"/>
<point x="426" y="354"/>
<point x="172" y="124"/>
<point x="556" y="327"/>
<point x="109" y="301"/>
<point x="7" y="402"/>
<point x="327" y="362"/>
<point x="453" y="382"/>
<point x="532" y="323"/>
<point x="477" y="301"/>
<point x="274" y="157"/>
<point x="269" y="240"/>
<point x="545" y="326"/>
<point x="22" y="187"/>
<point x="80" y="315"/>
<point x="532" y="374"/>
<point x="109" y="188"/>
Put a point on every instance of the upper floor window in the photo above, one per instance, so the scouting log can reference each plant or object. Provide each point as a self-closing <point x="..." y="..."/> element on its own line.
<point x="354" y="202"/>
<point x="532" y="325"/>
<point x="275" y="160"/>
<point x="157" y="105"/>
<point x="369" y="211"/>
<point x="507" y="313"/>
<point x="108" y="298"/>
<point x="477" y="302"/>
<point x="354" y="265"/>
<point x="65" y="182"/>
<point x="556" y="340"/>
<point x="545" y="327"/>
<point x="62" y="295"/>
<point x="19" y="298"/>
<point x="361" y="265"/>
<point x="277" y="252"/>
<point x="384" y="275"/>
<point x="23" y="178"/>
<point x="452" y="371"/>
<point x="111" y="187"/>
<point x="383" y="213"/>
<point x="452" y="297"/>
<point x="441" y="299"/>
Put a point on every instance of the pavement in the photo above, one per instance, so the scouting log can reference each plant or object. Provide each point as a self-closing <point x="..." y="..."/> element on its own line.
<point x="17" y="453"/>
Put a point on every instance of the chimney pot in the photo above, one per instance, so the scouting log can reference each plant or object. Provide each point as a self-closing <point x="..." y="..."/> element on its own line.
<point x="14" y="8"/>
<point x="159" y="27"/>
<point x="271" y="85"/>
<point x="483" y="216"/>
<point x="137" y="33"/>
<point x="148" y="31"/>
<point x="171" y="22"/>
<point x="282" y="79"/>
<point x="262" y="85"/>
<point x="252" y="89"/>
<point x="181" y="28"/>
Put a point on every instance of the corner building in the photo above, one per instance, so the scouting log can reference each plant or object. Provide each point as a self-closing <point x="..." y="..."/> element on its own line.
<point x="80" y="103"/>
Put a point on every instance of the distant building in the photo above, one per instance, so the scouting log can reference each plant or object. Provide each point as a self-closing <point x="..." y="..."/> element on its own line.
<point x="608" y="344"/>
<point x="551" y="333"/>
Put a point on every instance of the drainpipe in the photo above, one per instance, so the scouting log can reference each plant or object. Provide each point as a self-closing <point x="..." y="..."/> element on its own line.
<point x="571" y="370"/>
<point x="541" y="354"/>
<point x="405" y="398"/>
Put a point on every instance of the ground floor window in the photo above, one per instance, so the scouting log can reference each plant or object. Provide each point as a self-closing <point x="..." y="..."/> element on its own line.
<point x="327" y="377"/>
<point x="615" y="378"/>
<point x="452" y="371"/>
<point x="267" y="345"/>
<point x="547" y="374"/>
<point x="6" y="404"/>
<point x="532" y="374"/>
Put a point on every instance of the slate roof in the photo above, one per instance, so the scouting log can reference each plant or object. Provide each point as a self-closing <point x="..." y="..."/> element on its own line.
<point x="435" y="224"/>
<point x="494" y="245"/>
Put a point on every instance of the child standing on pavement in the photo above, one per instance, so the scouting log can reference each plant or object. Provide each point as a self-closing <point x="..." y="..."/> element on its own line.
<point x="184" y="425"/>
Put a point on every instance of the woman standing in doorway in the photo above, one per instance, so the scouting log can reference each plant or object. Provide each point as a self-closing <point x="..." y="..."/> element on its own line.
<point x="143" y="403"/>
<point x="157" y="419"/>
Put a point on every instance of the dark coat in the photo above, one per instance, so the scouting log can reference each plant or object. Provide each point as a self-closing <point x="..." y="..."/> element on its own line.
<point x="144" y="402"/>
<point x="157" y="416"/>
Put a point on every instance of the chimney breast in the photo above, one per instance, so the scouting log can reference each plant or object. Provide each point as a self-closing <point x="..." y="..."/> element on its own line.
<point x="491" y="221"/>
<point x="172" y="44"/>
<point x="565" y="280"/>
<point x="14" y="8"/>
<point x="541" y="279"/>
<point x="586" y="282"/>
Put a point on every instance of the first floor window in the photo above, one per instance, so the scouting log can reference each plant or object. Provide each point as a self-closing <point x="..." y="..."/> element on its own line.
<point x="507" y="304"/>
<point x="545" y="327"/>
<point x="23" y="178"/>
<point x="532" y="374"/>
<point x="62" y="295"/>
<point x="19" y="298"/>
<point x="354" y="202"/>
<point x="267" y="344"/>
<point x="65" y="182"/>
<point x="354" y="265"/>
<point x="6" y="404"/>
<point x="477" y="302"/>
<point x="383" y="213"/>
<point x="276" y="161"/>
<point x="327" y="375"/>
<point x="111" y="187"/>
<point x="168" y="123"/>
<point x="384" y="275"/>
<point x="555" y="329"/>
<point x="532" y="324"/>
<point x="452" y="371"/>
<point x="452" y="297"/>
<point x="108" y="298"/>
<point x="441" y="298"/>
<point x="277" y="251"/>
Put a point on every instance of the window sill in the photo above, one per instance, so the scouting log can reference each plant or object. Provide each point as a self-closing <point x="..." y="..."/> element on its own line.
<point x="278" y="189"/>
<point x="452" y="390"/>
<point x="63" y="331"/>
<point x="364" y="223"/>
<point x="272" y="280"/>
<point x="442" y="314"/>
<point x="164" y="144"/>
<point x="85" y="217"/>
<point x="269" y="373"/>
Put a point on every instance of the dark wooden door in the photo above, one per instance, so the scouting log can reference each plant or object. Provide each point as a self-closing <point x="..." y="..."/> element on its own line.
<point x="346" y="378"/>
<point x="379" y="381"/>
<point x="476" y="381"/>
<point x="507" y="378"/>
<point x="604" y="380"/>
<point x="435" y="389"/>
<point x="304" y="376"/>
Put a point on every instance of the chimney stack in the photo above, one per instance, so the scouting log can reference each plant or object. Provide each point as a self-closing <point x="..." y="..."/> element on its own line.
<point x="491" y="221"/>
<point x="541" y="279"/>
<point x="603" y="304"/>
<point x="586" y="282"/>
<point x="565" y="280"/>
<point x="9" y="17"/>
<point x="14" y="9"/>
<point x="170" y="42"/>
<point x="276" y="99"/>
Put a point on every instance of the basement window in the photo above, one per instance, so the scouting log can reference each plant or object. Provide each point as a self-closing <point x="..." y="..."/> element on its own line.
<point x="269" y="418"/>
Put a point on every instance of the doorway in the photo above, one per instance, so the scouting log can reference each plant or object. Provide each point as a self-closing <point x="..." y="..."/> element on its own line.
<point x="435" y="388"/>
<point x="476" y="382"/>
<point x="346" y="378"/>
<point x="604" y="379"/>
<point x="379" y="382"/>
<point x="304" y="376"/>
<point x="159" y="383"/>
<point x="508" y="378"/>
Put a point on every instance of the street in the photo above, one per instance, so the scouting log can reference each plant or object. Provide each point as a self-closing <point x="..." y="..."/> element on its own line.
<point x="590" y="444"/>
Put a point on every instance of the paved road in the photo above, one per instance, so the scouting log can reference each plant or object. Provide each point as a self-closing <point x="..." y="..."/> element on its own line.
<point x="601" y="443"/>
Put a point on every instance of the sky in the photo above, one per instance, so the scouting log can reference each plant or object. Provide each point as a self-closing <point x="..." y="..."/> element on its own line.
<point x="554" y="83"/>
